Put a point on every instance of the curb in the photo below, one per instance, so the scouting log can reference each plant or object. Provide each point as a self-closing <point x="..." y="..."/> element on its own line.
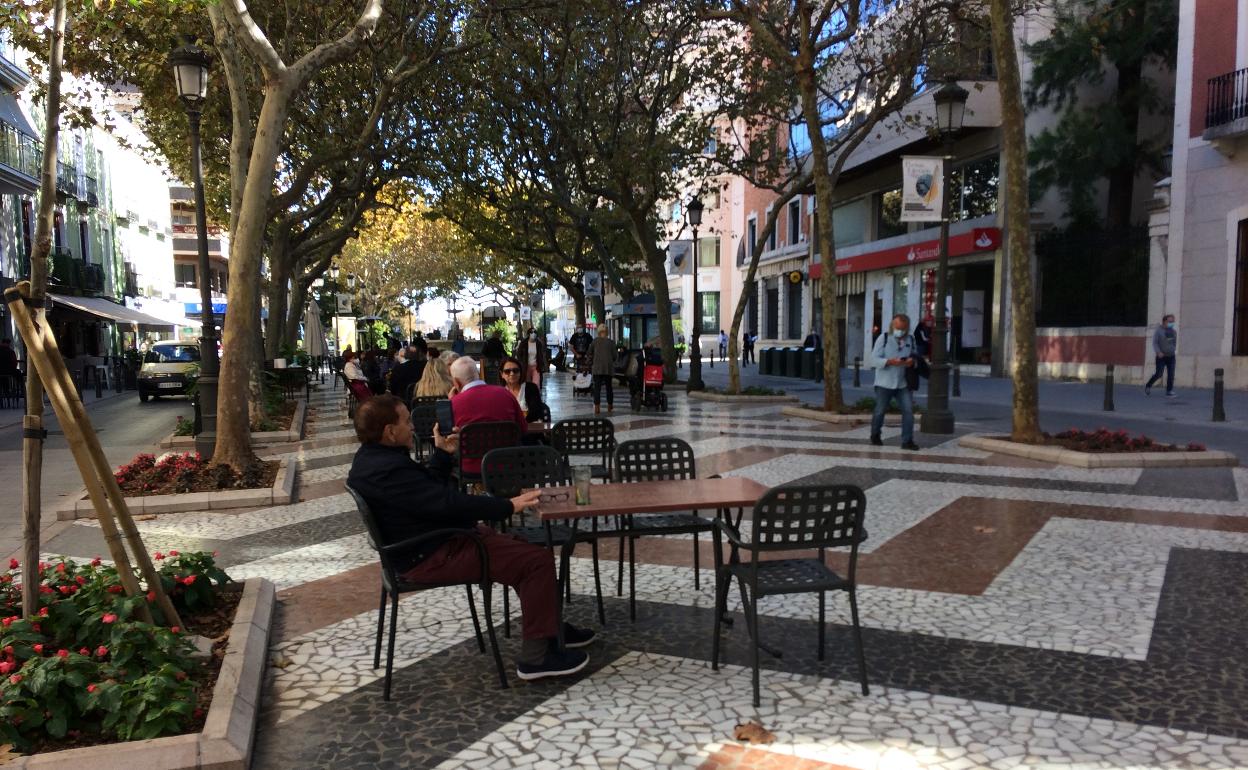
<point x="298" y="422"/>
<point x="838" y="419"/>
<point x="1061" y="456"/>
<point x="726" y="398"/>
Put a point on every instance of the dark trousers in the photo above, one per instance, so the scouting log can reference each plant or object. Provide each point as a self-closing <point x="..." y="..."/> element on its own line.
<point x="599" y="381"/>
<point x="747" y="355"/>
<point x="529" y="569"/>
<point x="1166" y="364"/>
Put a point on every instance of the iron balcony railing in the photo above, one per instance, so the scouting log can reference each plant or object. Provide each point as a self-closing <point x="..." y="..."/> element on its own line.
<point x="132" y="281"/>
<point x="19" y="151"/>
<point x="65" y="270"/>
<point x="1228" y="98"/>
<point x="66" y="179"/>
<point x="91" y="188"/>
<point x="93" y="278"/>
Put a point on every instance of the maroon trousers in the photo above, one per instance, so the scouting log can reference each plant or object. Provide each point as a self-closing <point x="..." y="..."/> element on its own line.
<point x="529" y="569"/>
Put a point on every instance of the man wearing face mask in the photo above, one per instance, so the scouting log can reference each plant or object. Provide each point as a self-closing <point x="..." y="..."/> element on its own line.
<point x="892" y="355"/>
<point x="1165" y="342"/>
<point x="531" y="353"/>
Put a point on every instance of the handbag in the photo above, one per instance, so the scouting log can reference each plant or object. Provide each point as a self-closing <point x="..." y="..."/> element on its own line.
<point x="921" y="367"/>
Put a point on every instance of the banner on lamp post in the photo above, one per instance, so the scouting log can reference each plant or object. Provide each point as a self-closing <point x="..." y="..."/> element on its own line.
<point x="593" y="284"/>
<point x="680" y="256"/>
<point x="344" y="304"/>
<point x="922" y="188"/>
<point x="526" y="313"/>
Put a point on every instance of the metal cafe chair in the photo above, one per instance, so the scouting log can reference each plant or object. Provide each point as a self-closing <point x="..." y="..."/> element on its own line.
<point x="476" y="440"/>
<point x="586" y="436"/>
<point x="423" y="418"/>
<point x="797" y="518"/>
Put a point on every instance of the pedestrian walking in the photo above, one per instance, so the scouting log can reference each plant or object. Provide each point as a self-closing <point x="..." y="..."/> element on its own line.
<point x="1165" y="343"/>
<point x="723" y="344"/>
<point x="747" y="348"/>
<point x="892" y="356"/>
<point x="601" y="366"/>
<point x="531" y="353"/>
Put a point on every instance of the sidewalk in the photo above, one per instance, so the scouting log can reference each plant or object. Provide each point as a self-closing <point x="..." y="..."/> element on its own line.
<point x="11" y="417"/>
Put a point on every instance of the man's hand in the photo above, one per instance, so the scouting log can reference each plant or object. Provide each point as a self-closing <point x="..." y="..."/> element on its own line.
<point x="448" y="444"/>
<point x="525" y="500"/>
<point x="453" y="392"/>
<point x="908" y="362"/>
<point x="893" y="362"/>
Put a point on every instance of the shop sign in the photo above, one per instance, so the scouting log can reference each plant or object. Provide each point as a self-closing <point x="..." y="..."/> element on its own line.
<point x="978" y="239"/>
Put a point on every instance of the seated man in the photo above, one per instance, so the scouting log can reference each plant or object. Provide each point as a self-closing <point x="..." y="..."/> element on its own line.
<point x="409" y="499"/>
<point x="407" y="373"/>
<point x="475" y="401"/>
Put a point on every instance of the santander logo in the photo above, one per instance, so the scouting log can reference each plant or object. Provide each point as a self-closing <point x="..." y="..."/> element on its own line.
<point x="984" y="241"/>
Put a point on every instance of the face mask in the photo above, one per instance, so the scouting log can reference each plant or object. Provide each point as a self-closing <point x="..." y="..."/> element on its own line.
<point x="1170" y="324"/>
<point x="899" y="333"/>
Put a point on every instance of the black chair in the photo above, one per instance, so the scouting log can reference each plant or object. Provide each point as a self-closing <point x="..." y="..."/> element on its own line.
<point x="475" y="442"/>
<point x="415" y="399"/>
<point x="409" y="393"/>
<point x="350" y="401"/>
<point x="12" y="391"/>
<point x="592" y="436"/>
<point x="795" y="518"/>
<point x="423" y="418"/>
<point x="657" y="459"/>
<point x="505" y="473"/>
<point x="392" y="586"/>
<point x="546" y="414"/>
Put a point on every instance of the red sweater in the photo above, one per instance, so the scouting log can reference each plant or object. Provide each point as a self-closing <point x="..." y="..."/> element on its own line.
<point x="486" y="403"/>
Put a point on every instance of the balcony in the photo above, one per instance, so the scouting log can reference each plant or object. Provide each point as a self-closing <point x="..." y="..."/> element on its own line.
<point x="20" y="156"/>
<point x="68" y="273"/>
<point x="66" y="180"/>
<point x="132" y="281"/>
<point x="1226" y="108"/>
<point x="91" y="190"/>
<point x="12" y="74"/>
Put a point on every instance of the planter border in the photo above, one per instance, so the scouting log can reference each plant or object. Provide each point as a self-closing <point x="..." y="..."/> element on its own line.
<point x="1063" y="456"/>
<point x="281" y="493"/>
<point x="298" y="424"/>
<point x="727" y="398"/>
<point x="229" y="732"/>
<point x="838" y="419"/>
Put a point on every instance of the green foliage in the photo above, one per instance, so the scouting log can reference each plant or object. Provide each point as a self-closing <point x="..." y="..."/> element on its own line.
<point x="184" y="427"/>
<point x="84" y="665"/>
<point x="506" y="331"/>
<point x="294" y="356"/>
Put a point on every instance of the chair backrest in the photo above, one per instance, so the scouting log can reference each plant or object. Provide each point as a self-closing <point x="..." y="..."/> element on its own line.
<point x="506" y="471"/>
<point x="584" y="436"/>
<point x="802" y="517"/>
<point x="409" y="393"/>
<point x="375" y="539"/>
<point x="655" y="459"/>
<point x="423" y="417"/>
<point x="478" y="438"/>
<point x="491" y="371"/>
<point x="415" y="399"/>
<point x="546" y="413"/>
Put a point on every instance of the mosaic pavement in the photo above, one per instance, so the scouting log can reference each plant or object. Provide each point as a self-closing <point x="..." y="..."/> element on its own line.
<point x="1015" y="615"/>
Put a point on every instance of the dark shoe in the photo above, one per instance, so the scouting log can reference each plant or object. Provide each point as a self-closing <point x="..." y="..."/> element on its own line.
<point x="574" y="637"/>
<point x="913" y="447"/>
<point x="875" y="440"/>
<point x="1148" y="390"/>
<point x="555" y="663"/>
<point x="1170" y="394"/>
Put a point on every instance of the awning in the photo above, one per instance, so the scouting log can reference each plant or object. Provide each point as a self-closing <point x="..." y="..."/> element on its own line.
<point x="11" y="113"/>
<point x="645" y="304"/>
<point x="109" y="310"/>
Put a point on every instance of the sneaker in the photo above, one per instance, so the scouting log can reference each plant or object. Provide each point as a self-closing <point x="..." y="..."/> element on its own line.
<point x="875" y="440"/>
<point x="913" y="447"/>
<point x="1170" y="394"/>
<point x="574" y="637"/>
<point x="555" y="663"/>
<point x="1148" y="390"/>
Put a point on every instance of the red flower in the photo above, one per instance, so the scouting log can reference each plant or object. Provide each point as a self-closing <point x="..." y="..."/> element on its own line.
<point x="80" y="580"/>
<point x="84" y="652"/>
<point x="62" y="653"/>
<point x="43" y="565"/>
<point x="8" y="649"/>
<point x="35" y="627"/>
<point x="151" y="596"/>
<point x="101" y="651"/>
<point x="60" y="568"/>
<point x="95" y="562"/>
<point x="188" y="580"/>
<point x="158" y="556"/>
<point x="14" y="564"/>
<point x="115" y="589"/>
<point x="173" y="553"/>
<point x="45" y="589"/>
<point x="176" y="629"/>
<point x="92" y="688"/>
<point x="108" y="618"/>
<point x="15" y="679"/>
<point x="8" y="621"/>
<point x="38" y="648"/>
<point x="43" y="612"/>
<point x="66" y="590"/>
<point x="7" y="668"/>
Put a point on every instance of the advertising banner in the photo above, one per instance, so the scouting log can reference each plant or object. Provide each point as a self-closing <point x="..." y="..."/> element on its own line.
<point x="344" y="304"/>
<point x="922" y="188"/>
<point x="680" y="257"/>
<point x="593" y="284"/>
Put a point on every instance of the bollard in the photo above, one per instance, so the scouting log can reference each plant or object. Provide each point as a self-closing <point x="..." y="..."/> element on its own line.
<point x="857" y="372"/>
<point x="957" y="380"/>
<point x="1219" y="414"/>
<point x="99" y="386"/>
<point x="119" y="374"/>
<point x="1108" y="406"/>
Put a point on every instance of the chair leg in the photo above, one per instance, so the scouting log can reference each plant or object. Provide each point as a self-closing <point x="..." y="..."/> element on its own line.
<point x="697" y="568"/>
<point x="381" y="625"/>
<point x="619" y="578"/>
<point x="506" y="613"/>
<point x="489" y="626"/>
<point x="476" y="624"/>
<point x="721" y="601"/>
<point x="822" y="602"/>
<point x="602" y="612"/>
<point x="632" y="579"/>
<point x="862" y="658"/>
<point x="753" y="616"/>
<point x="394" y="627"/>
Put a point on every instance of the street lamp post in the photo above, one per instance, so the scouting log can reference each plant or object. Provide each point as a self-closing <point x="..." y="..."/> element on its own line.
<point x="694" y="211"/>
<point x="190" y="73"/>
<point x="937" y="418"/>
<point x="334" y="272"/>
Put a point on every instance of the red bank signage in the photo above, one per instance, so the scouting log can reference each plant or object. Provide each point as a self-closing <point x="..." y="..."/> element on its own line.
<point x="978" y="239"/>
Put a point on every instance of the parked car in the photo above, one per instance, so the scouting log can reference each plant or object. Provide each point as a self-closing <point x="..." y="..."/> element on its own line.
<point x="169" y="369"/>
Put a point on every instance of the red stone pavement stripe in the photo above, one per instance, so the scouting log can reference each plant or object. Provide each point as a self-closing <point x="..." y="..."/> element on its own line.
<point x="734" y="757"/>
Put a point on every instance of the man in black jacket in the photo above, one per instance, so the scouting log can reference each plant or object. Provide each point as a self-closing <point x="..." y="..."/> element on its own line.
<point x="409" y="499"/>
<point x="407" y="373"/>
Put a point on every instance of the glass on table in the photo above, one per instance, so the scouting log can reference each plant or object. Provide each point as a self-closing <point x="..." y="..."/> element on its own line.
<point x="580" y="482"/>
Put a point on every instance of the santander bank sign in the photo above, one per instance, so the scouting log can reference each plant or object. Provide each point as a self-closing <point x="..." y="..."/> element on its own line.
<point x="978" y="239"/>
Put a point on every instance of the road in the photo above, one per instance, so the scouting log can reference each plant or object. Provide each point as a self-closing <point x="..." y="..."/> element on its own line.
<point x="125" y="428"/>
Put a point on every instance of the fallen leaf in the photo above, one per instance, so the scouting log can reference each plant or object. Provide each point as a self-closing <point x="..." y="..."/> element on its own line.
<point x="753" y="732"/>
<point x="281" y="661"/>
<point x="985" y="530"/>
<point x="7" y="754"/>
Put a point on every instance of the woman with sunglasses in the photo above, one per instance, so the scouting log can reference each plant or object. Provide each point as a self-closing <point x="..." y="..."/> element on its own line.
<point x="527" y="393"/>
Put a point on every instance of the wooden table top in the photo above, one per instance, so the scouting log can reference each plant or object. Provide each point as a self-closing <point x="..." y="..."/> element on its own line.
<point x="650" y="497"/>
<point x="538" y="427"/>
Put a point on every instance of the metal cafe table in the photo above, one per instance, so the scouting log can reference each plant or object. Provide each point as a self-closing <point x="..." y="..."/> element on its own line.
<point x="557" y="505"/>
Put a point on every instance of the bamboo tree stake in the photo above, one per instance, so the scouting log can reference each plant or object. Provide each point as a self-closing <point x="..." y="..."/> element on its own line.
<point x="95" y="490"/>
<point x="81" y="426"/>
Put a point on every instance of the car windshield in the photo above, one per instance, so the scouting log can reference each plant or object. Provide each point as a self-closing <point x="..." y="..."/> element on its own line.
<point x="172" y="354"/>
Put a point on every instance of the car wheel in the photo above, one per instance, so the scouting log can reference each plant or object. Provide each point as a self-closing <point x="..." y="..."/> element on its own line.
<point x="143" y="397"/>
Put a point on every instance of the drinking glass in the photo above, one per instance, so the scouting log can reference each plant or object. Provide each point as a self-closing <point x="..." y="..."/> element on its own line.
<point x="580" y="480"/>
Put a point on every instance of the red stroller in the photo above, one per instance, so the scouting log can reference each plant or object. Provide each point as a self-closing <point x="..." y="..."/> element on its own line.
<point x="648" y="391"/>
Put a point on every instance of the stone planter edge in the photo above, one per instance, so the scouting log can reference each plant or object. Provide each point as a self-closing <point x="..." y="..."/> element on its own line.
<point x="1206" y="459"/>
<point x="228" y="736"/>
<point x="298" y="422"/>
<point x="725" y="398"/>
<point x="838" y="419"/>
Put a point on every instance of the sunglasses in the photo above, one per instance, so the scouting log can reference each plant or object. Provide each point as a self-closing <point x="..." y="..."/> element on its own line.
<point x="511" y="371"/>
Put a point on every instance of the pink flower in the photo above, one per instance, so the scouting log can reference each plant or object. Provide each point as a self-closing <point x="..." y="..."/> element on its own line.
<point x="176" y="629"/>
<point x="15" y="679"/>
<point x="14" y="564"/>
<point x="62" y="653"/>
<point x="101" y="651"/>
<point x="108" y="618"/>
<point x="92" y="688"/>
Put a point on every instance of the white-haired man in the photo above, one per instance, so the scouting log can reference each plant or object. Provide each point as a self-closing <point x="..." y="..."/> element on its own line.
<point x="475" y="401"/>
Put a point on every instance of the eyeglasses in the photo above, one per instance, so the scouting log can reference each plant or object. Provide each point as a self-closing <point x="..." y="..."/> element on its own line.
<point x="511" y="371"/>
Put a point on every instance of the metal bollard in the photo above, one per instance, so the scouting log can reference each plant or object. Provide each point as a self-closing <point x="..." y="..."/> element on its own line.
<point x="1219" y="413"/>
<point x="79" y="381"/>
<point x="857" y="372"/>
<point x="1108" y="406"/>
<point x="957" y="380"/>
<point x="119" y="375"/>
<point x="99" y="386"/>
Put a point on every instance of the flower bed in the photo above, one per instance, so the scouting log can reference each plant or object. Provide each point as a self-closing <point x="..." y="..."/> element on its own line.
<point x="1103" y="440"/>
<point x="176" y="473"/>
<point x="278" y="416"/>
<point x="84" y="671"/>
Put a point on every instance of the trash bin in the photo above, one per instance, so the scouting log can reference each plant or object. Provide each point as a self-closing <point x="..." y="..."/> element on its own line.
<point x="808" y="363"/>
<point x="764" y="360"/>
<point x="793" y="362"/>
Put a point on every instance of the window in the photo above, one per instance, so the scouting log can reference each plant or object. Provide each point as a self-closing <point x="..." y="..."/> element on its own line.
<point x="58" y="225"/>
<point x="849" y="222"/>
<point x="888" y="214"/>
<point x="974" y="187"/>
<point x="710" y="310"/>
<point x="901" y="293"/>
<point x="771" y="287"/>
<point x="84" y="238"/>
<point x="708" y="252"/>
<point x="712" y="144"/>
<point x="184" y="275"/>
<point x="1239" y="324"/>
<point x="751" y="236"/>
<point x="794" y="302"/>
<point x="771" y="237"/>
<point x="795" y="220"/>
<point x="171" y="354"/>
<point x="28" y="226"/>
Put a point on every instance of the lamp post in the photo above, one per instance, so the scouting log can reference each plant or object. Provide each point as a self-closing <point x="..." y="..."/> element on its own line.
<point x="351" y="289"/>
<point x="190" y="72"/>
<point x="950" y="102"/>
<point x="694" y="212"/>
<point x="334" y="272"/>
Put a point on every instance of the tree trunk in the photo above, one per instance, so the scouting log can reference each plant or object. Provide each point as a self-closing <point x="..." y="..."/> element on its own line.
<point x="1026" y="413"/>
<point x="294" y="312"/>
<point x="32" y="444"/>
<point x="239" y="359"/>
<point x="278" y="294"/>
<point x="657" y="265"/>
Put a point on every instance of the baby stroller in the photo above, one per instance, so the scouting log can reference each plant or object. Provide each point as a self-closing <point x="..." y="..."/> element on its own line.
<point x="647" y="390"/>
<point x="582" y="380"/>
